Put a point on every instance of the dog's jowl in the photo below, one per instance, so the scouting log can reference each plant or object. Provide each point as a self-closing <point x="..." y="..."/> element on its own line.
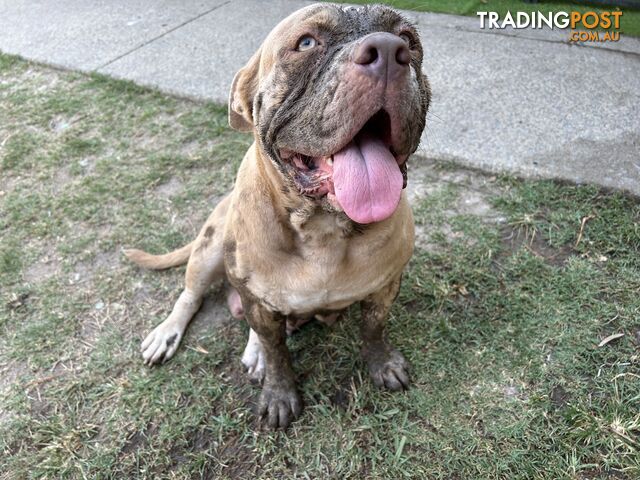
<point x="317" y="219"/>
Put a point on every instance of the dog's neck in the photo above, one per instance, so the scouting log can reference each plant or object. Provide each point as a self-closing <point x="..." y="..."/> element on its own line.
<point x="297" y="211"/>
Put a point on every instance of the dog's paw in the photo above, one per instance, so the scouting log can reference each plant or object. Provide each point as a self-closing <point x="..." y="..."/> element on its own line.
<point x="161" y="343"/>
<point x="253" y="358"/>
<point x="388" y="369"/>
<point x="279" y="406"/>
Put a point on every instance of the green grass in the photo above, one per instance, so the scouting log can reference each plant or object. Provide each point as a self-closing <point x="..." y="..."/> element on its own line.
<point x="629" y="22"/>
<point x="500" y="314"/>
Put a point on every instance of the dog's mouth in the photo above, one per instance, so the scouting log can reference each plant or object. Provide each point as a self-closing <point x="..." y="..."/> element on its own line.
<point x="364" y="177"/>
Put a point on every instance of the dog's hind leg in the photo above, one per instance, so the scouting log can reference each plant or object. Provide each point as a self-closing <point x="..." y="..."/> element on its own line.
<point x="253" y="358"/>
<point x="204" y="267"/>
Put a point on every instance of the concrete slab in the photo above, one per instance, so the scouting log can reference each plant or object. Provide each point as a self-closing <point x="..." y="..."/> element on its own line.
<point x="522" y="101"/>
<point x="626" y="44"/>
<point x="200" y="59"/>
<point x="84" y="35"/>
<point x="533" y="106"/>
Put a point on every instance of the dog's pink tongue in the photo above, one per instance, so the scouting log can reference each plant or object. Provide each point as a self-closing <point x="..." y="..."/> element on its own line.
<point x="367" y="180"/>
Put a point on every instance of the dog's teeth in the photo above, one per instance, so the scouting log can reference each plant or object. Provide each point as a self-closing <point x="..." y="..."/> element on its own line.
<point x="330" y="161"/>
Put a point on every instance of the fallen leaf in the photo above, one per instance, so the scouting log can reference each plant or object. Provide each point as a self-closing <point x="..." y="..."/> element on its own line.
<point x="200" y="349"/>
<point x="610" y="338"/>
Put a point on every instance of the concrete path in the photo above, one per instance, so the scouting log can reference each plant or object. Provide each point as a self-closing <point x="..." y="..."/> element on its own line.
<point x="519" y="101"/>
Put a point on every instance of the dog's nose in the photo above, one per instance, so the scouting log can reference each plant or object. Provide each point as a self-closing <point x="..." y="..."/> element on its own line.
<point x="383" y="53"/>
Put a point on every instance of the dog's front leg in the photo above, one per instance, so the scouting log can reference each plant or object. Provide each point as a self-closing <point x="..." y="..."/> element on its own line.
<point x="280" y="401"/>
<point x="204" y="267"/>
<point x="387" y="366"/>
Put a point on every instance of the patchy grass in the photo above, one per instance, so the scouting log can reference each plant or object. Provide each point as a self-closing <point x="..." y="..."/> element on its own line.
<point x="629" y="21"/>
<point x="512" y="287"/>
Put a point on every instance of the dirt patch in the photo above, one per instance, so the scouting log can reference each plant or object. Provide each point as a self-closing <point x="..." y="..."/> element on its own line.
<point x="512" y="392"/>
<point x="94" y="320"/>
<point x="139" y="438"/>
<point x="213" y="313"/>
<point x="475" y="203"/>
<point x="39" y="80"/>
<point x="425" y="233"/>
<point x="61" y="179"/>
<point x="41" y="270"/>
<point x="559" y="397"/>
<point x="474" y="188"/>
<point x="17" y="301"/>
<point x="514" y="239"/>
<point x="473" y="193"/>
<point x="598" y="474"/>
<point x="88" y="164"/>
<point x="10" y="375"/>
<point x="7" y="182"/>
<point x="170" y="189"/>
<point x="85" y="271"/>
<point x="238" y="459"/>
<point x="420" y="185"/>
<point x="107" y="260"/>
<point x="194" y="147"/>
<point x="59" y="124"/>
<point x="343" y="395"/>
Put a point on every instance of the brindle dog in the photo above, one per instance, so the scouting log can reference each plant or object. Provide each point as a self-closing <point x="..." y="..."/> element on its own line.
<point x="317" y="219"/>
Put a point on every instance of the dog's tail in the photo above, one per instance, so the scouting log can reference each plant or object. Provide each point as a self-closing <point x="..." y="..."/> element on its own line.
<point x="159" y="262"/>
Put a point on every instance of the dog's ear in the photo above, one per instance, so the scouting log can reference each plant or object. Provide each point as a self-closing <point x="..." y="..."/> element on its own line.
<point x="243" y="91"/>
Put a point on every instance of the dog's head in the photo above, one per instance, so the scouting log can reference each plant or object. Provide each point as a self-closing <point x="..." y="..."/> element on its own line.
<point x="337" y="99"/>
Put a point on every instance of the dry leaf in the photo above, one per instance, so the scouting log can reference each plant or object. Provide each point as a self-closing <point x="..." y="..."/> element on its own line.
<point x="610" y="338"/>
<point x="200" y="349"/>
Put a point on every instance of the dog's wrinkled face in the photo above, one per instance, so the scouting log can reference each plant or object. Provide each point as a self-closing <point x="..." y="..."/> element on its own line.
<point x="337" y="99"/>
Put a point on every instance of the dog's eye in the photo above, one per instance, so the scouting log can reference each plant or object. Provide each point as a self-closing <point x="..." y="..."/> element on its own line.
<point x="406" y="38"/>
<point x="306" y="43"/>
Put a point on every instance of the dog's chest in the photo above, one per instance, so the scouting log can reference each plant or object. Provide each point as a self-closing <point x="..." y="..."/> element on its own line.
<point x="302" y="289"/>
<point x="326" y="271"/>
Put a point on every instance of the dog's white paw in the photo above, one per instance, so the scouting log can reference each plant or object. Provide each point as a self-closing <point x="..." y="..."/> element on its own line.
<point x="161" y="343"/>
<point x="253" y="358"/>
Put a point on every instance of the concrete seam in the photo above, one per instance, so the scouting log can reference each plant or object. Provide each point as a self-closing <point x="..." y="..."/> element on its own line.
<point x="547" y="40"/>
<point x="151" y="40"/>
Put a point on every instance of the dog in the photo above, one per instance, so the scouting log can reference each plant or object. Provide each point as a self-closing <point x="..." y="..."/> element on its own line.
<point x="317" y="219"/>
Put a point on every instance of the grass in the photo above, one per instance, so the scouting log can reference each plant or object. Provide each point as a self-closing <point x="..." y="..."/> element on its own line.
<point x="512" y="287"/>
<point x="629" y="21"/>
